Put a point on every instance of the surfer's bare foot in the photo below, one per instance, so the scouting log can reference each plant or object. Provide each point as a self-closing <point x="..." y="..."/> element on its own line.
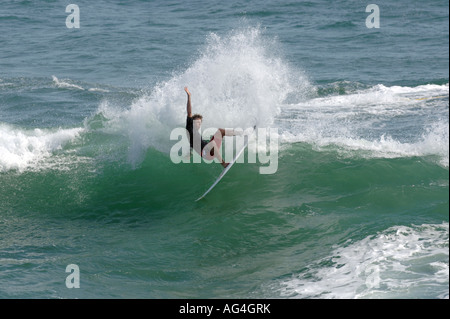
<point x="225" y="164"/>
<point x="186" y="90"/>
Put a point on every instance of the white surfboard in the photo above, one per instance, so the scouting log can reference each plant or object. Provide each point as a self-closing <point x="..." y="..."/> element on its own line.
<point x="227" y="168"/>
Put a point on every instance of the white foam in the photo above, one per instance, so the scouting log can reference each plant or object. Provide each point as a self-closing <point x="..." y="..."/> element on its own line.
<point x="98" y="90"/>
<point x="401" y="262"/>
<point x="2" y="83"/>
<point x="24" y="149"/>
<point x="241" y="78"/>
<point x="339" y="121"/>
<point x="381" y="98"/>
<point x="64" y="84"/>
<point x="237" y="79"/>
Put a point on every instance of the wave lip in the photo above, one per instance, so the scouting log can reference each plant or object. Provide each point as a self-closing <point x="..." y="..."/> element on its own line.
<point x="63" y="84"/>
<point x="25" y="149"/>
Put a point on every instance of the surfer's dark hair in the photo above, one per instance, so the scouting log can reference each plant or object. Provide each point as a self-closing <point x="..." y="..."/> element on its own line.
<point x="197" y="117"/>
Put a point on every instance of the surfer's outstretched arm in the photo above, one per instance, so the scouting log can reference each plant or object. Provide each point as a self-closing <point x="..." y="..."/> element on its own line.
<point x="189" y="106"/>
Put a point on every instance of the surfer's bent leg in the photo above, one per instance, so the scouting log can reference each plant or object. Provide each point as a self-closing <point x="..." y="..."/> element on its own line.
<point x="212" y="149"/>
<point x="221" y="132"/>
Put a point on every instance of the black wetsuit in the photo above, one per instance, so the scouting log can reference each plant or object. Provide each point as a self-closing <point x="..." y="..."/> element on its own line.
<point x="190" y="129"/>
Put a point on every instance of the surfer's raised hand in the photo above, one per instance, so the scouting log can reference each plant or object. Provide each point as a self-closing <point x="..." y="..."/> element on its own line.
<point x="188" y="107"/>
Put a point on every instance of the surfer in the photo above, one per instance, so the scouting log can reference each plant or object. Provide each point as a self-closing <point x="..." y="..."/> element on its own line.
<point x="208" y="150"/>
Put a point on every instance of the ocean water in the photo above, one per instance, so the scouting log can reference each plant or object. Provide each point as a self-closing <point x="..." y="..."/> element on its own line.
<point x="358" y="206"/>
